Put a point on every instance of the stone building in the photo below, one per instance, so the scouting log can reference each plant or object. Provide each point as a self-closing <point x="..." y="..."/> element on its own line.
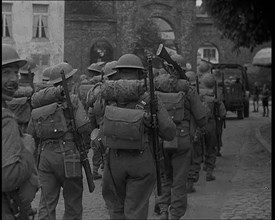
<point x="104" y="30"/>
<point x="36" y="29"/>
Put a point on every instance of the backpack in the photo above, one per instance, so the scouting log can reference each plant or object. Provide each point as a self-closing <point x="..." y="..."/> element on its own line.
<point x="174" y="104"/>
<point x="208" y="103"/>
<point x="123" y="128"/>
<point x="21" y="107"/>
<point x="49" y="121"/>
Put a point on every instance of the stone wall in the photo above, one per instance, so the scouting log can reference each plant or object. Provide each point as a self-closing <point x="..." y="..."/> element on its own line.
<point x="119" y="22"/>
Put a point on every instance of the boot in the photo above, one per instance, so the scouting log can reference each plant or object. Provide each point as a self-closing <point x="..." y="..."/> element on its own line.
<point x="218" y="154"/>
<point x="190" y="187"/>
<point x="96" y="175"/>
<point x="210" y="176"/>
<point x="163" y="215"/>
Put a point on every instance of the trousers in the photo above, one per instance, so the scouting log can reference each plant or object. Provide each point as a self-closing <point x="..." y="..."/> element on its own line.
<point x="177" y="164"/>
<point x="128" y="181"/>
<point x="52" y="178"/>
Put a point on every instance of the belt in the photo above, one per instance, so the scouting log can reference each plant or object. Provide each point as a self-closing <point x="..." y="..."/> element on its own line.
<point x="128" y="151"/>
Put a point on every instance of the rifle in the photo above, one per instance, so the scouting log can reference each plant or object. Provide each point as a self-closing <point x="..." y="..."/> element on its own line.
<point x="197" y="84"/>
<point x="223" y="91"/>
<point x="162" y="53"/>
<point x="78" y="140"/>
<point x="155" y="138"/>
<point x="15" y="205"/>
<point x="216" y="115"/>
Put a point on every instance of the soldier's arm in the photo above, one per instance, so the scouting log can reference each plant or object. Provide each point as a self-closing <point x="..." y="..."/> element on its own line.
<point x="17" y="162"/>
<point x="167" y="128"/>
<point x="83" y="125"/>
<point x="196" y="108"/>
<point x="47" y="96"/>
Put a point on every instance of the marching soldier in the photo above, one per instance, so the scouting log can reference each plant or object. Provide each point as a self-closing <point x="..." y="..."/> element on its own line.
<point x="20" y="105"/>
<point x="129" y="176"/>
<point x="109" y="74"/>
<point x="19" y="182"/>
<point x="216" y="111"/>
<point x="59" y="162"/>
<point x="178" y="153"/>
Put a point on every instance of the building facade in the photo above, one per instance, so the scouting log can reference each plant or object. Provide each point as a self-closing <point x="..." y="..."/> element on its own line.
<point x="104" y="30"/>
<point x="36" y="29"/>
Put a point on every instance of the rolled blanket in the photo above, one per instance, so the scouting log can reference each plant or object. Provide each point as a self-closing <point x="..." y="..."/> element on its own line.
<point x="122" y="90"/>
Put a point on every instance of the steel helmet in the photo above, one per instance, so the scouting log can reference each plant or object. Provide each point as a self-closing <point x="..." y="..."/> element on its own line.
<point x="179" y="59"/>
<point x="30" y="64"/>
<point x="208" y="80"/>
<point x="129" y="61"/>
<point x="10" y="55"/>
<point x="191" y="76"/>
<point x="46" y="74"/>
<point x="96" y="67"/>
<point x="204" y="67"/>
<point x="108" y="68"/>
<point x="55" y="76"/>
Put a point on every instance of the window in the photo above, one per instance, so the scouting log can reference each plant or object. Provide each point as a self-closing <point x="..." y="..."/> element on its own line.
<point x="6" y="20"/>
<point x="209" y="54"/>
<point x="40" y="21"/>
<point x="41" y="59"/>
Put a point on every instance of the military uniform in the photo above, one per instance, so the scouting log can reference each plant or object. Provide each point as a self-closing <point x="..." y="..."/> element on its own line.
<point x="59" y="163"/>
<point x="178" y="156"/>
<point x="129" y="176"/>
<point x="18" y="164"/>
<point x="210" y="137"/>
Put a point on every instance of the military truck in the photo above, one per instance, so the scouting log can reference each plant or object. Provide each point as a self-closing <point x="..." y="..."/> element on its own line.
<point x="234" y="87"/>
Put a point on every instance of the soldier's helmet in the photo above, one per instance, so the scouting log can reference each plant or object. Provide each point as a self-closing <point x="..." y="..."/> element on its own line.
<point x="108" y="68"/>
<point x="95" y="67"/>
<point x="30" y="64"/>
<point x="46" y="74"/>
<point x="10" y="55"/>
<point x="204" y="67"/>
<point x="208" y="80"/>
<point x="130" y="61"/>
<point x="191" y="76"/>
<point x="55" y="76"/>
<point x="179" y="59"/>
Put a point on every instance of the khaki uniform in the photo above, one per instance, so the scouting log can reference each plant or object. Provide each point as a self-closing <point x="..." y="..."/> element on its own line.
<point x="20" y="105"/>
<point x="210" y="137"/>
<point x="18" y="163"/>
<point x="178" y="159"/>
<point x="130" y="175"/>
<point x="59" y="163"/>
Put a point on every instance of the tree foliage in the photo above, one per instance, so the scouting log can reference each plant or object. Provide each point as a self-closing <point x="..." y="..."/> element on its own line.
<point x="247" y="23"/>
<point x="147" y="39"/>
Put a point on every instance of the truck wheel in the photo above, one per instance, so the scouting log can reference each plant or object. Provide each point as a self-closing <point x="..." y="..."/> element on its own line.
<point x="246" y="109"/>
<point x="240" y="114"/>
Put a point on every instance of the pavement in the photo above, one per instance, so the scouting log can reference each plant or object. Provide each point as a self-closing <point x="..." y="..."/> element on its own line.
<point x="243" y="186"/>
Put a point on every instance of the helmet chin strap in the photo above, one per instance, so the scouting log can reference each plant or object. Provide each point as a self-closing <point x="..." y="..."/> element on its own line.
<point x="5" y="96"/>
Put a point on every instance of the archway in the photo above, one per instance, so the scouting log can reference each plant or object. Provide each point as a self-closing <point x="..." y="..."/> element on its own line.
<point x="101" y="51"/>
<point x="167" y="34"/>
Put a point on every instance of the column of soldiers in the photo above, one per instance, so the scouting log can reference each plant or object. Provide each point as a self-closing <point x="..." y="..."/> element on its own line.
<point x="111" y="113"/>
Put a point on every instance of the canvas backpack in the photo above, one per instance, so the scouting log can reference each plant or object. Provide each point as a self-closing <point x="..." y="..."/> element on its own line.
<point x="174" y="104"/>
<point x="123" y="128"/>
<point x="21" y="107"/>
<point x="208" y="103"/>
<point x="49" y="121"/>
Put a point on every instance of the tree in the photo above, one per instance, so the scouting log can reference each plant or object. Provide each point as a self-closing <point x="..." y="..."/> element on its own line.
<point x="147" y="39"/>
<point x="247" y="23"/>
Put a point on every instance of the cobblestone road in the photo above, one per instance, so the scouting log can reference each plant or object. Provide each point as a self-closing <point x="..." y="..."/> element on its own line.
<point x="242" y="189"/>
